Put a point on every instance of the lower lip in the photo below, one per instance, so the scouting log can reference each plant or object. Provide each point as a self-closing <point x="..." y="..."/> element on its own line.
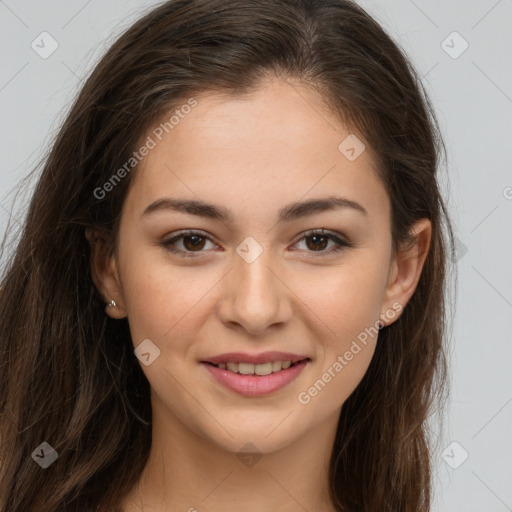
<point x="256" y="385"/>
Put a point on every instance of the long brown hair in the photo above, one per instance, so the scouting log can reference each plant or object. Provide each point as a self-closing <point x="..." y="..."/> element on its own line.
<point x="68" y="375"/>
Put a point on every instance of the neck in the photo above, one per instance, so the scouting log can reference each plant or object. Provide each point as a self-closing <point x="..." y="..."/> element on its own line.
<point x="186" y="471"/>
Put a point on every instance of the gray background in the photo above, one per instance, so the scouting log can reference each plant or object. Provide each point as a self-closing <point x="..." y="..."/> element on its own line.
<point x="472" y="94"/>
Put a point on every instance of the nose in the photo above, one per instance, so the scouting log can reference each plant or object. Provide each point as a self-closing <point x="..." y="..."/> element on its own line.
<point x="255" y="297"/>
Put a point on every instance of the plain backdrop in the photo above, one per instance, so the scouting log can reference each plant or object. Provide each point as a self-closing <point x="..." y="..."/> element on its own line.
<point x="463" y="51"/>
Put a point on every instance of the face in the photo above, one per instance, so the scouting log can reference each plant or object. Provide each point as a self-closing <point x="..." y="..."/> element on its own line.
<point x="273" y="266"/>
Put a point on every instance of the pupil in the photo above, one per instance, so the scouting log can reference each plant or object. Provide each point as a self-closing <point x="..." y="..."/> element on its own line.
<point x="316" y="238"/>
<point x="195" y="243"/>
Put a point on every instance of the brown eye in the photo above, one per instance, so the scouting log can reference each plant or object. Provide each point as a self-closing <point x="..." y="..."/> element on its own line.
<point x="317" y="241"/>
<point x="193" y="242"/>
<point x="187" y="243"/>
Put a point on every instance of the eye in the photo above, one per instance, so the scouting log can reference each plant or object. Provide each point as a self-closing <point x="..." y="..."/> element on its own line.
<point x="317" y="240"/>
<point x="191" y="241"/>
<point x="195" y="241"/>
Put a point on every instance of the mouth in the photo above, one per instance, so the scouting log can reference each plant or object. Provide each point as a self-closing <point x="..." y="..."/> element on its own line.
<point x="255" y="380"/>
<point x="260" y="369"/>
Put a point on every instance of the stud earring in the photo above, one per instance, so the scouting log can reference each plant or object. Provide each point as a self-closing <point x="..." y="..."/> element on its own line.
<point x="112" y="304"/>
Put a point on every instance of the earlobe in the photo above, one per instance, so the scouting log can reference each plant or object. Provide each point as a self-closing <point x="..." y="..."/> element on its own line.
<point x="105" y="274"/>
<point x="406" y="268"/>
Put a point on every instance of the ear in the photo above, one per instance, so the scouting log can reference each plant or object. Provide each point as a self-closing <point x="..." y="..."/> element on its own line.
<point x="405" y="271"/>
<point x="104" y="272"/>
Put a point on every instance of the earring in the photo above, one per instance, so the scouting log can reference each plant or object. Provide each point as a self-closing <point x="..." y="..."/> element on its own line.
<point x="112" y="304"/>
<point x="381" y="325"/>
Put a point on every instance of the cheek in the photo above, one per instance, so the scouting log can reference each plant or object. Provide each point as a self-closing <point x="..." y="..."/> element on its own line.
<point x="344" y="303"/>
<point x="346" y="311"/>
<point x="338" y="378"/>
<point x="160" y="297"/>
<point x="346" y="299"/>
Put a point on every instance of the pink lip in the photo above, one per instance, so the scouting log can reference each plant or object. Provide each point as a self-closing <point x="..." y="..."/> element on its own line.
<point x="256" y="385"/>
<point x="263" y="357"/>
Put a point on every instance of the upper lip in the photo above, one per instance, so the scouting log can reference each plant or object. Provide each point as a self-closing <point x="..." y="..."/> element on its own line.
<point x="263" y="357"/>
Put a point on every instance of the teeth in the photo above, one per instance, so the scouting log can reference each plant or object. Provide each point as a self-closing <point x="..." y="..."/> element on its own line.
<point x="233" y="367"/>
<point x="263" y="369"/>
<point x="246" y="368"/>
<point x="255" y="369"/>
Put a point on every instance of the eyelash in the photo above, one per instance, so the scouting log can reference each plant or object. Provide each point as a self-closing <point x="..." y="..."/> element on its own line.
<point x="167" y="244"/>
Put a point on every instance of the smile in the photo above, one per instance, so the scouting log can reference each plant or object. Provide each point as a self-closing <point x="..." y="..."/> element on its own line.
<point x="255" y="380"/>
<point x="256" y="369"/>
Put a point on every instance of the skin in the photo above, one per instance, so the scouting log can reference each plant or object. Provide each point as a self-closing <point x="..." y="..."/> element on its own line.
<point x="252" y="155"/>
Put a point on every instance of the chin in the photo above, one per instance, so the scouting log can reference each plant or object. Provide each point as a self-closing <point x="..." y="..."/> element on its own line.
<point x="254" y="438"/>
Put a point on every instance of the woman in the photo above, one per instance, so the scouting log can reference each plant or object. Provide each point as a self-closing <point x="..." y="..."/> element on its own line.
<point x="229" y="290"/>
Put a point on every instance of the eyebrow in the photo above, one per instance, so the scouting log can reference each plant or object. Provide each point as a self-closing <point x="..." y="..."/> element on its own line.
<point x="288" y="213"/>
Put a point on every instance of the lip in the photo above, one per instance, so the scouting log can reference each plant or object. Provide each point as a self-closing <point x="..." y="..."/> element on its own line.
<point x="256" y="385"/>
<point x="263" y="357"/>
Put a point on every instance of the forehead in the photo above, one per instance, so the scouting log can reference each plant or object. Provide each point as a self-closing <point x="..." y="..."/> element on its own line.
<point x="277" y="144"/>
